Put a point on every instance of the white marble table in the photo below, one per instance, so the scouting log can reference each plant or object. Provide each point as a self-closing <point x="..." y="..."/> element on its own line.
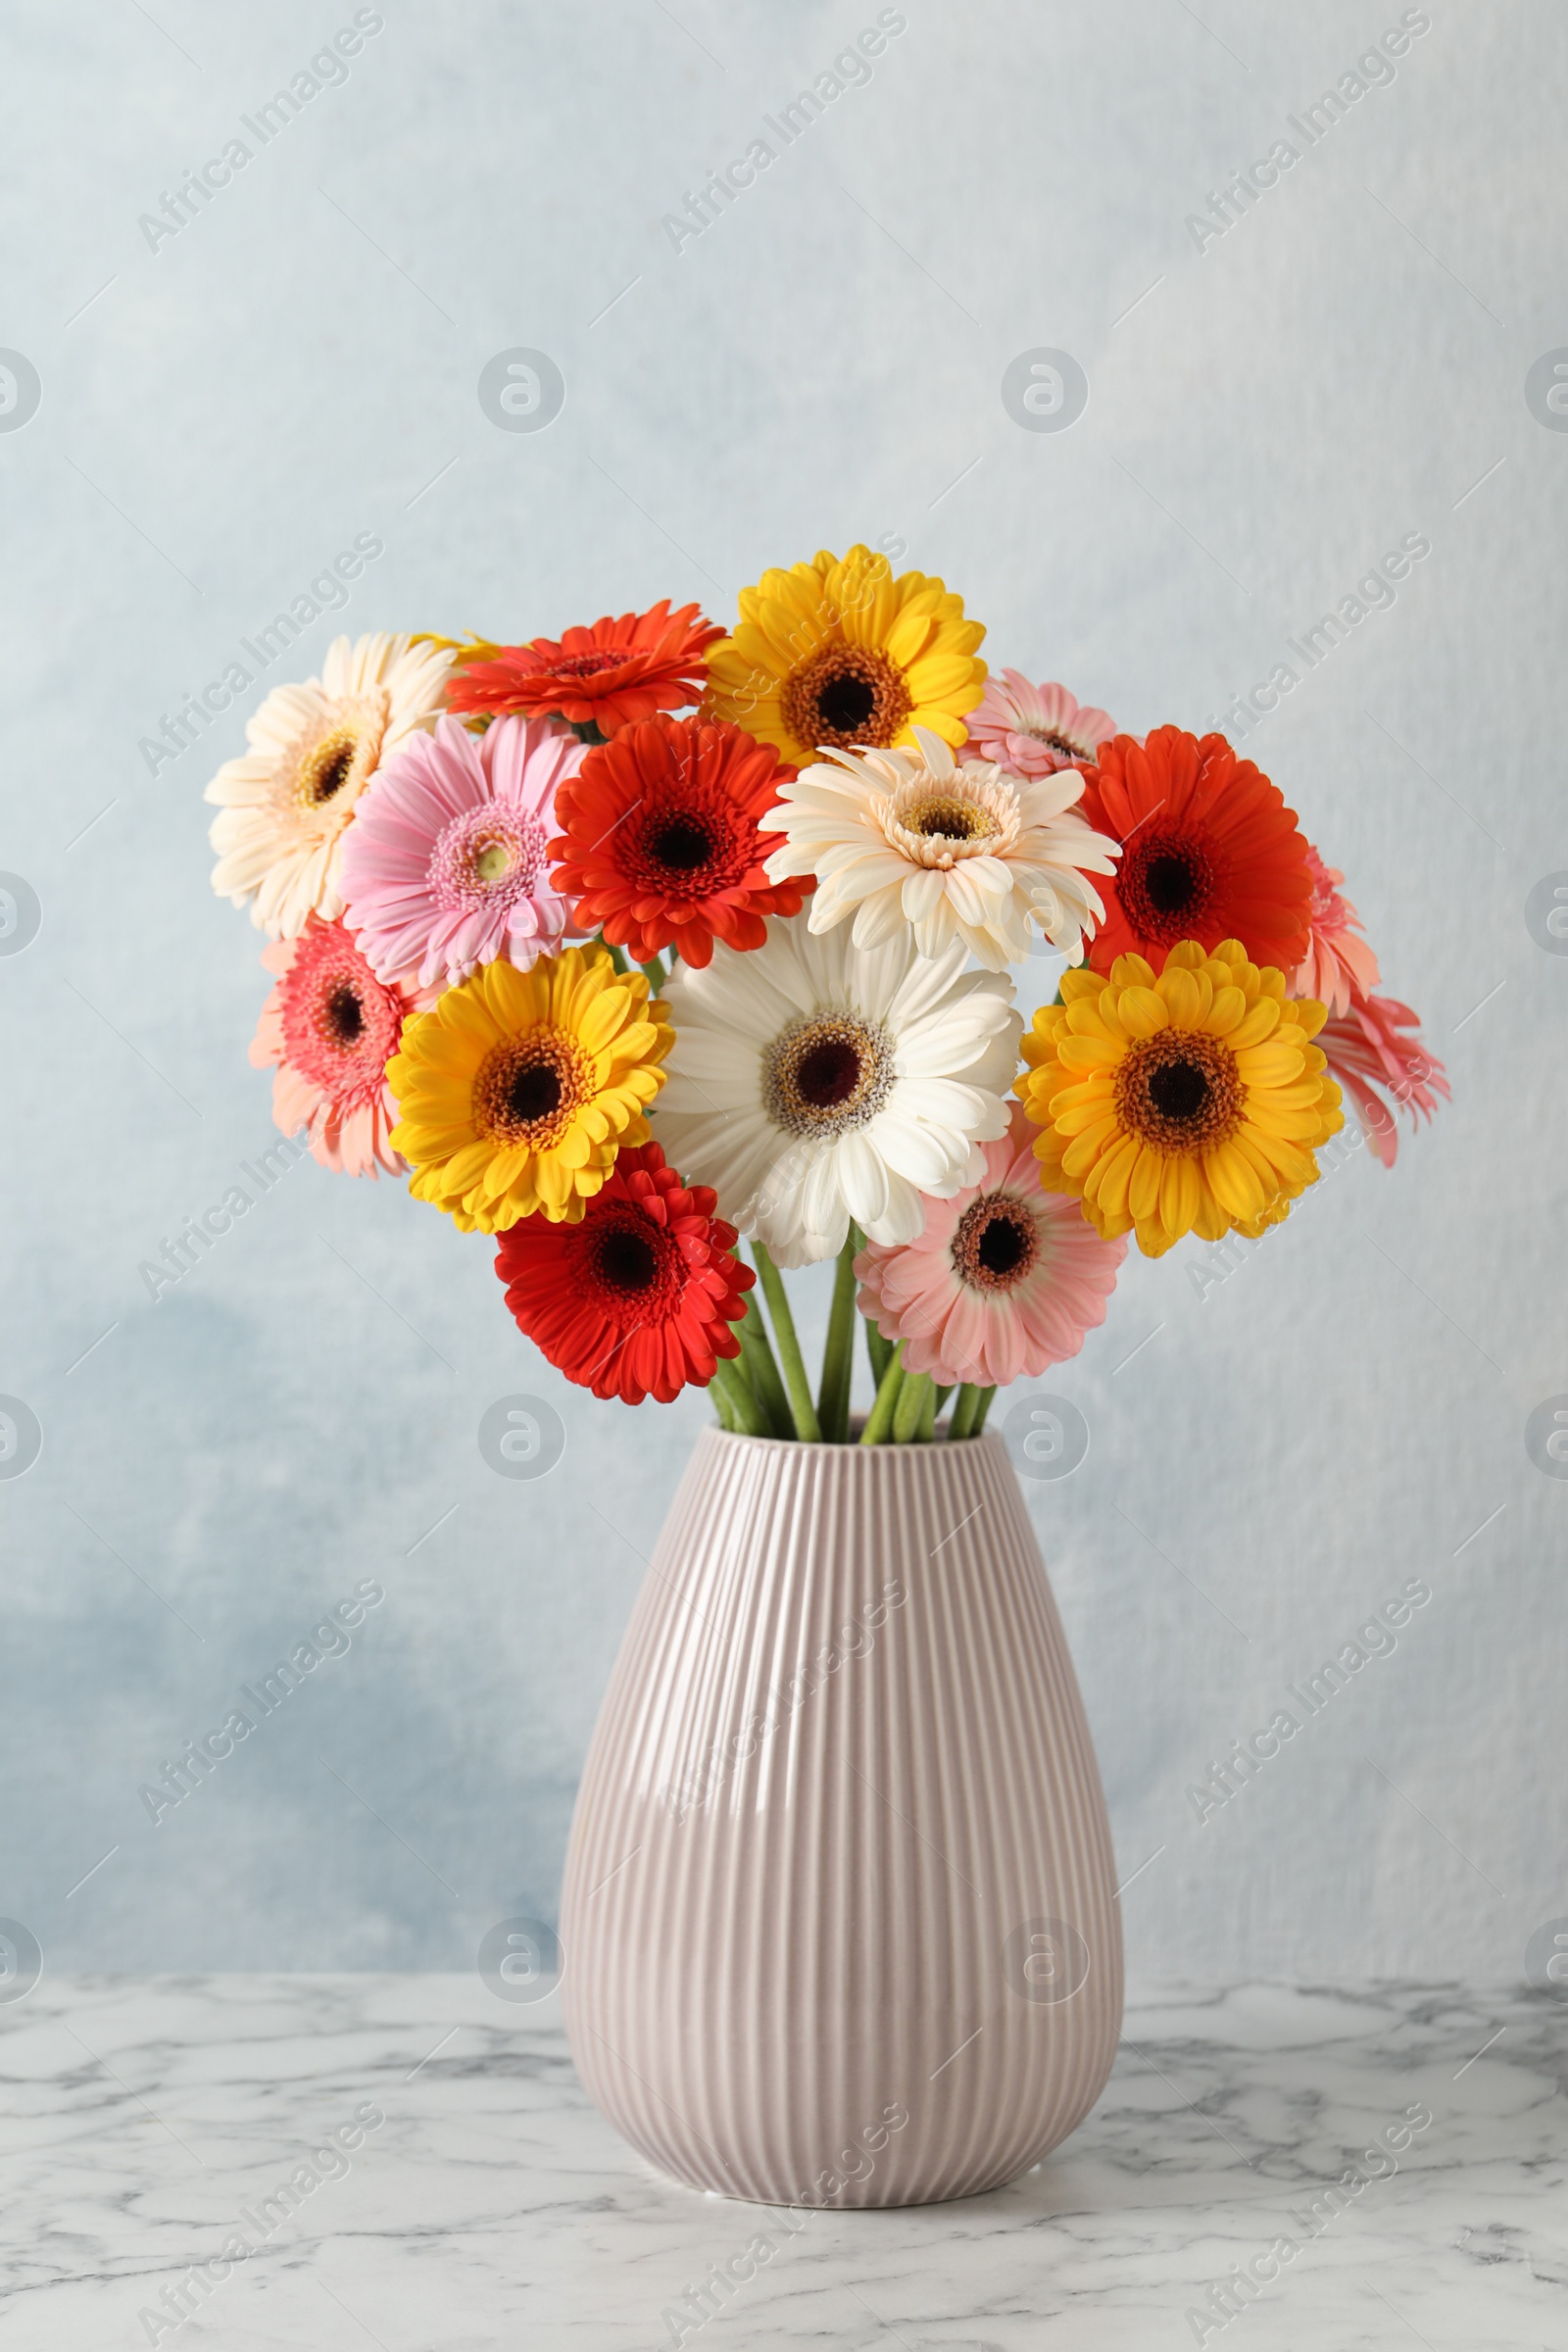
<point x="145" y="2122"/>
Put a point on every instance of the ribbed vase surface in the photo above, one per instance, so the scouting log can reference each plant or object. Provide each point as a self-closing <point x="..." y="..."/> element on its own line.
<point x="839" y="1923"/>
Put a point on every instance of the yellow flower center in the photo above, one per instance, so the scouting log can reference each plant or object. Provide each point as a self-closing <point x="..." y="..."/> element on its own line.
<point x="492" y="859"/>
<point x="939" y="821"/>
<point x="529" y="1088"/>
<point x="845" y="695"/>
<point x="1179" y="1091"/>
<point x="327" y="768"/>
<point x="330" y="761"/>
<point x="950" y="819"/>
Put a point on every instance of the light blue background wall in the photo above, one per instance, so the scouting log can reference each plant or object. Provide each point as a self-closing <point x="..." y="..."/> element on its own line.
<point x="220" y="417"/>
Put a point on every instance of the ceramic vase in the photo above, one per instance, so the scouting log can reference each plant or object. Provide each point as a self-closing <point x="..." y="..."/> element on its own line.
<point x="839" y="1923"/>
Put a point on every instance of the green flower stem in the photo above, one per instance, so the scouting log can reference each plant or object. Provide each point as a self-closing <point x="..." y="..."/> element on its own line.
<point x="808" y="1428"/>
<point x="722" y="1404"/>
<point x="880" y="1350"/>
<point x="909" y="1408"/>
<point x="981" y="1410"/>
<point x="617" y="956"/>
<point x="654" y="974"/>
<point x="762" y="1373"/>
<point x="728" y="1383"/>
<point x="928" y="1414"/>
<point x="961" y="1425"/>
<point x="879" y="1421"/>
<point x="838" y="1355"/>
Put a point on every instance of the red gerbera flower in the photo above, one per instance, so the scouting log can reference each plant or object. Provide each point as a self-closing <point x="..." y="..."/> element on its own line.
<point x="612" y="674"/>
<point x="1377" y="1045"/>
<point x="663" y="839"/>
<point x="640" y="1298"/>
<point x="1209" y="851"/>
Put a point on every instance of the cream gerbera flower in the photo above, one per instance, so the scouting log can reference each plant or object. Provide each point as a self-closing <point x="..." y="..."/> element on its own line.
<point x="812" y="1081"/>
<point x="956" y="850"/>
<point x="286" y="802"/>
<point x="840" y="652"/>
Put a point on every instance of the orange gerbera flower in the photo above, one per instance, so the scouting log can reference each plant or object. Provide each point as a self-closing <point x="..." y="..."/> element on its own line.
<point x="664" y="839"/>
<point x="1209" y="851"/>
<point x="608" y="676"/>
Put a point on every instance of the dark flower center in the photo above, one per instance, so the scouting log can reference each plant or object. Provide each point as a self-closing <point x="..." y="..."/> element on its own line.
<point x="846" y="702"/>
<point x="629" y="1268"/>
<point x="1177" y="1090"/>
<point x="1001" y="1245"/>
<point x="627" y="1260"/>
<point x="682" y="843"/>
<point x="844" y="695"/>
<point x="529" y="1088"/>
<point x="1170" y="885"/>
<point x="1063" y="745"/>
<point x="828" y="1073"/>
<point x="582" y="665"/>
<point x="1180" y="1091"/>
<point x="996" y="1243"/>
<point x="343" y="1015"/>
<point x="532" y="1092"/>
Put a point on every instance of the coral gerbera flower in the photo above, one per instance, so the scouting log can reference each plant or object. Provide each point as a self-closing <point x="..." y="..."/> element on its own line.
<point x="1337" y="964"/>
<point x="814" y="1081"/>
<point x="1371" y="1048"/>
<point x="663" y="839"/>
<point x="1188" y="1102"/>
<point x="518" y="1089"/>
<point x="1209" y="851"/>
<point x="445" y="862"/>
<point x="329" y="1028"/>
<point x="956" y="851"/>
<point x="284" y="804"/>
<point x="1036" y="729"/>
<point x="640" y="1297"/>
<point x="831" y="655"/>
<point x="608" y="676"/>
<point x="1005" y="1280"/>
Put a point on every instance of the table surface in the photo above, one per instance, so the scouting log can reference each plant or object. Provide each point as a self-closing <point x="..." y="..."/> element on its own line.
<point x="147" y="2121"/>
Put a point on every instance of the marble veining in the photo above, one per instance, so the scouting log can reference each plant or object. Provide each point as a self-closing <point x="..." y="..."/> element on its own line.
<point x="148" y="2122"/>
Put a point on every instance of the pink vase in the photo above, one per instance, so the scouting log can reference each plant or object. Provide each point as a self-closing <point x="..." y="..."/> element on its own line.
<point x="839" y="1923"/>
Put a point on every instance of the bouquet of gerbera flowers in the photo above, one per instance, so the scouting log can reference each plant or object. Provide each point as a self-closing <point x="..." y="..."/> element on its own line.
<point x="619" y="986"/>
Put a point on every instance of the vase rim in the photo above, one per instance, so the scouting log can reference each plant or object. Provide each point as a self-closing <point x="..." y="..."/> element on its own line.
<point x="740" y="1436"/>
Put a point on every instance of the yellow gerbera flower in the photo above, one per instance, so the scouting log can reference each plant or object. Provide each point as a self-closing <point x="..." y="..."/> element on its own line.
<point x="516" y="1090"/>
<point x="835" y="656"/>
<point x="1190" y="1104"/>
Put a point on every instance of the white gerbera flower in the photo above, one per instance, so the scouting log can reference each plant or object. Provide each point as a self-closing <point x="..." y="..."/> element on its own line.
<point x="958" y="848"/>
<point x="286" y="802"/>
<point x="812" y="1081"/>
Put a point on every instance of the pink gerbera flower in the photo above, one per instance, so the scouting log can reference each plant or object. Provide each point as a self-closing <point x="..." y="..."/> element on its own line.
<point x="330" y="1027"/>
<point x="1377" y="1045"/>
<point x="1338" y="965"/>
<point x="444" y="866"/>
<point x="1036" y="729"/>
<point x="1006" y="1278"/>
